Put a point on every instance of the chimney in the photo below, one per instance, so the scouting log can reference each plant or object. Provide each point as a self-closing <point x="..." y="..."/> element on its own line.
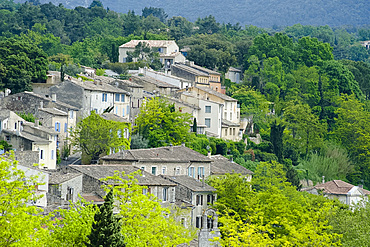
<point x="7" y="91"/>
<point x="191" y="63"/>
<point x="36" y="123"/>
<point x="361" y="186"/>
<point x="231" y="159"/>
<point x="187" y="62"/>
<point x="183" y="144"/>
<point x="54" y="97"/>
<point x="171" y="147"/>
<point x="209" y="154"/>
<point x="323" y="179"/>
<point x="41" y="104"/>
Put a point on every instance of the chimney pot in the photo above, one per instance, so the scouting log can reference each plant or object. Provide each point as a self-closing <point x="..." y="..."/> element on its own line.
<point x="54" y="97"/>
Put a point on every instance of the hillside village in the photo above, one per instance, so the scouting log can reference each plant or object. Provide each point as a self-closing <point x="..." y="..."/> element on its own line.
<point x="174" y="174"/>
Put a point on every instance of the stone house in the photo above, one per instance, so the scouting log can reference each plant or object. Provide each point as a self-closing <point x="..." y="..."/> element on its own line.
<point x="209" y="115"/>
<point x="337" y="189"/>
<point x="93" y="176"/>
<point x="63" y="187"/>
<point x="90" y="96"/>
<point x="199" y="78"/>
<point x="154" y="86"/>
<point x="26" y="136"/>
<point x="168" y="78"/>
<point x="194" y="192"/>
<point x="230" y="119"/>
<point x="233" y="74"/>
<point x="171" y="160"/>
<point x="30" y="102"/>
<point x="214" y="76"/>
<point x="60" y="120"/>
<point x="168" y="50"/>
<point x="135" y="90"/>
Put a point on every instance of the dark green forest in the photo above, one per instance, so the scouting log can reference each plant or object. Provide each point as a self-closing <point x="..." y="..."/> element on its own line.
<point x="262" y="13"/>
<point x="306" y="87"/>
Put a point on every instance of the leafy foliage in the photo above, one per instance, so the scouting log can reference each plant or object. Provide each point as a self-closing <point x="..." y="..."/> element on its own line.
<point x="161" y="124"/>
<point x="95" y="136"/>
<point x="144" y="220"/>
<point x="273" y="212"/>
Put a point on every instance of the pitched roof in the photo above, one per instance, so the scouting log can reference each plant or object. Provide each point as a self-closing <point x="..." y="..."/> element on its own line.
<point x="114" y="117"/>
<point x="215" y="93"/>
<point x="151" y="43"/>
<point x="189" y="69"/>
<point x="209" y="71"/>
<point x="232" y="69"/>
<point x="49" y="130"/>
<point x="28" y="136"/>
<point x="62" y="104"/>
<point x="61" y="177"/>
<point x="154" y="81"/>
<point x="227" y="123"/>
<point x="98" y="86"/>
<point x="54" y="111"/>
<point x="102" y="171"/>
<point x="4" y="114"/>
<point x="162" y="154"/>
<point x="338" y="187"/>
<point x="222" y="165"/>
<point x="92" y="197"/>
<point x="190" y="183"/>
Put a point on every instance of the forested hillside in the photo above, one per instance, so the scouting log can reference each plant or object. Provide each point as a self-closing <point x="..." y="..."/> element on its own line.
<point x="264" y="13"/>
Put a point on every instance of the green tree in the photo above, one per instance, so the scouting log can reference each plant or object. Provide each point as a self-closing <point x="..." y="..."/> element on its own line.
<point x="144" y="220"/>
<point x="138" y="142"/>
<point x="72" y="226"/>
<point x="95" y="136"/>
<point x="24" y="64"/>
<point x="353" y="132"/>
<point x="21" y="223"/>
<point x="161" y="124"/>
<point x="305" y="130"/>
<point x="106" y="228"/>
<point x="156" y="12"/>
<point x="272" y="213"/>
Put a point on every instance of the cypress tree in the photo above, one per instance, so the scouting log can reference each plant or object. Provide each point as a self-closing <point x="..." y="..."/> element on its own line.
<point x="106" y="230"/>
<point x="195" y="125"/>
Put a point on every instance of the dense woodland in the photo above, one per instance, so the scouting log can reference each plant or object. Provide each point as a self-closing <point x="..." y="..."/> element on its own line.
<point x="262" y="13"/>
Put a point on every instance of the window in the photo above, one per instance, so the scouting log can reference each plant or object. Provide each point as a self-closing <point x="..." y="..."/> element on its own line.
<point x="117" y="97"/>
<point x="119" y="133"/>
<point x="233" y="131"/>
<point x="122" y="98"/>
<point x="52" y="154"/>
<point x="154" y="170"/>
<point x="208" y="109"/>
<point x="225" y="132"/>
<point x="105" y="97"/>
<point x="207" y="122"/>
<point x="71" y="114"/>
<point x="146" y="191"/>
<point x="199" y="222"/>
<point x="57" y="126"/>
<point x="231" y="116"/>
<point x="65" y="127"/>
<point x="191" y="172"/>
<point x="142" y="168"/>
<point x="123" y="112"/>
<point x="182" y="221"/>
<point x="15" y="126"/>
<point x="41" y="154"/>
<point x="165" y="194"/>
<point x="116" y="110"/>
<point x="199" y="200"/>
<point x="225" y="115"/>
<point x="164" y="170"/>
<point x="209" y="199"/>
<point x="7" y="138"/>
<point x="200" y="172"/>
<point x="177" y="171"/>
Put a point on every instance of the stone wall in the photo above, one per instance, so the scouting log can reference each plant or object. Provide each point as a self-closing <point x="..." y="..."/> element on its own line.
<point x="27" y="158"/>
